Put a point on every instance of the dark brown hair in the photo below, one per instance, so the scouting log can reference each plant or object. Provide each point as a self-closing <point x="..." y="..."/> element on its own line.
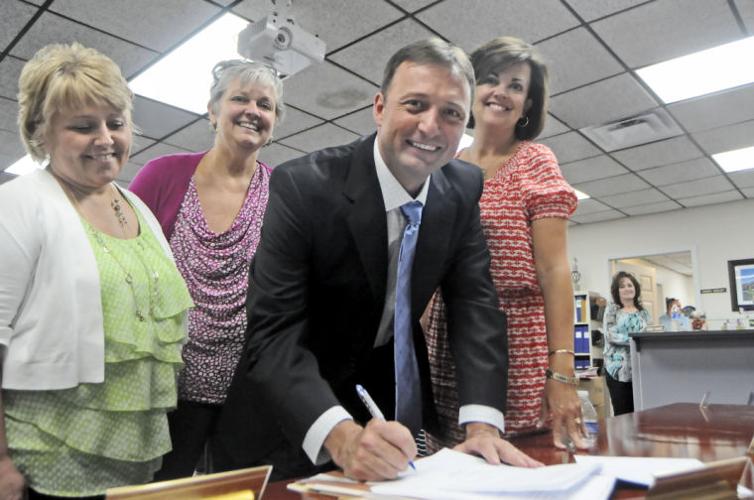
<point x="615" y="286"/>
<point x="503" y="52"/>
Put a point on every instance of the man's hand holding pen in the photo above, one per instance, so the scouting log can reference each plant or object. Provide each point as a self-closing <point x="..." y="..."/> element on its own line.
<point x="378" y="451"/>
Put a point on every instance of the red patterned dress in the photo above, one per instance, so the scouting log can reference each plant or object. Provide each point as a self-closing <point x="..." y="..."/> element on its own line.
<point x="527" y="187"/>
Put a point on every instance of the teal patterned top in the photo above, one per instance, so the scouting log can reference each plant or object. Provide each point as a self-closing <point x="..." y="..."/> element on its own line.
<point x="83" y="440"/>
<point x="617" y="325"/>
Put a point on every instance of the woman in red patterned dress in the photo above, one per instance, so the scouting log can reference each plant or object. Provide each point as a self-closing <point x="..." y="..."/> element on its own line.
<point x="524" y="207"/>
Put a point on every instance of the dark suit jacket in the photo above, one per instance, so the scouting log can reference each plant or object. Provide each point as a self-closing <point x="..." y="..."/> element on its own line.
<point x="317" y="292"/>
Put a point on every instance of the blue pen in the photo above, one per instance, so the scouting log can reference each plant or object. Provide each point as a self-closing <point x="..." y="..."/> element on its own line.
<point x="373" y="409"/>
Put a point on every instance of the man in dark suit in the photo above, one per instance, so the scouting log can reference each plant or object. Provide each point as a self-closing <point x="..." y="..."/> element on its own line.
<point x="325" y="287"/>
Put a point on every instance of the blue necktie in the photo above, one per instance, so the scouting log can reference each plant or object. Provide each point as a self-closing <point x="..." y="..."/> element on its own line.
<point x="408" y="400"/>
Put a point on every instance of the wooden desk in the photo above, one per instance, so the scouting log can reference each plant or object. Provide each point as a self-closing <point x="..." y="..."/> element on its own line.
<point x="680" y="430"/>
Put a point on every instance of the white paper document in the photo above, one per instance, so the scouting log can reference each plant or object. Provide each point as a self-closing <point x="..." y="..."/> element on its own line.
<point x="451" y="474"/>
<point x="639" y="470"/>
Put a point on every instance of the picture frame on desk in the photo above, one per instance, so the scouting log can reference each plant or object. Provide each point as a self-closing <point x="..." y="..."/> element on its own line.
<point x="741" y="278"/>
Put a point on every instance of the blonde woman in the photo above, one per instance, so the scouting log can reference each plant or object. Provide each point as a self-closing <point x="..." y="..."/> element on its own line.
<point x="92" y="307"/>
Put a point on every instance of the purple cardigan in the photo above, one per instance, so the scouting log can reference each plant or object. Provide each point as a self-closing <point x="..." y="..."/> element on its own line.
<point x="162" y="184"/>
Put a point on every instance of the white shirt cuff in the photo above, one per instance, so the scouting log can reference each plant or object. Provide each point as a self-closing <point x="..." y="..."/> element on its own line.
<point x="315" y="437"/>
<point x="481" y="413"/>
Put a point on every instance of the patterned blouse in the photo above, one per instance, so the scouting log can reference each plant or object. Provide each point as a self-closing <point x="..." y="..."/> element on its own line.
<point x="81" y="441"/>
<point x="216" y="269"/>
<point x="617" y="325"/>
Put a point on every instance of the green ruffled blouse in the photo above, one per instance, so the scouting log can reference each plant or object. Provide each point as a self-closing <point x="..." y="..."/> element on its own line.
<point x="83" y="440"/>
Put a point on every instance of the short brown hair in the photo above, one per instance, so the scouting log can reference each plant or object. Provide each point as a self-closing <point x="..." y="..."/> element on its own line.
<point x="66" y="77"/>
<point x="503" y="52"/>
<point x="430" y="51"/>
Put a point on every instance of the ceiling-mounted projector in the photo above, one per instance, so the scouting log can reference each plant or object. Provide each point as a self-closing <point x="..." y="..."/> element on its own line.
<point x="281" y="44"/>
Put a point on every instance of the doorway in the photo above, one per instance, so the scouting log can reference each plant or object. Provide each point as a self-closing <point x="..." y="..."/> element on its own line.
<point x="661" y="276"/>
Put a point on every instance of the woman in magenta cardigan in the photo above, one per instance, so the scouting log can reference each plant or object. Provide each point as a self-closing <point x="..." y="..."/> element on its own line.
<point x="211" y="206"/>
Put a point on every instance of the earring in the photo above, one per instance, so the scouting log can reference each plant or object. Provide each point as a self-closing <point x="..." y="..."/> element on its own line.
<point x="525" y="124"/>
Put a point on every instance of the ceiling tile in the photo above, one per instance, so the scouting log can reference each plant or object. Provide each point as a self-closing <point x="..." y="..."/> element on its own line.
<point x="140" y="21"/>
<point x="8" y="113"/>
<point x="369" y="56"/>
<point x="711" y="199"/>
<point x="709" y="185"/>
<point x="10" y="146"/>
<point x="612" y="185"/>
<point x="275" y="154"/>
<point x="726" y="138"/>
<point x="590" y="206"/>
<point x="140" y="143"/>
<point x="10" y="70"/>
<point x="746" y="9"/>
<point x="198" y="136"/>
<point x="155" y="151"/>
<point x="716" y="110"/>
<point x="13" y="17"/>
<point x="662" y="30"/>
<point x="360" y="122"/>
<point x="51" y="28"/>
<point x="612" y="99"/>
<point x="412" y="5"/>
<point x="576" y="58"/>
<point x="156" y="119"/>
<point x="673" y="150"/>
<point x="681" y="172"/>
<point x="570" y="147"/>
<point x="337" y="22"/>
<point x="324" y="136"/>
<point x="591" y="169"/>
<point x="328" y="91"/>
<point x="553" y="126"/>
<point x="749" y="192"/>
<point x="651" y="208"/>
<point x="743" y="178"/>
<point x="295" y="121"/>
<point x="598" y="217"/>
<point x="591" y="10"/>
<point x="645" y="196"/>
<point x="470" y="23"/>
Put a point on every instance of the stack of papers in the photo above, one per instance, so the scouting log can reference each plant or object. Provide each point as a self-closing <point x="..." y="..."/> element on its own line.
<point x="450" y="474"/>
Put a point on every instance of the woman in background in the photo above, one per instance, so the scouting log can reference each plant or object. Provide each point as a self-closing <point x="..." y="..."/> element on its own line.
<point x="211" y="206"/>
<point x="624" y="315"/>
<point x="525" y="207"/>
<point x="92" y="307"/>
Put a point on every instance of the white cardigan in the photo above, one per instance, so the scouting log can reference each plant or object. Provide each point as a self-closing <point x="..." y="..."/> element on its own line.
<point x="50" y="305"/>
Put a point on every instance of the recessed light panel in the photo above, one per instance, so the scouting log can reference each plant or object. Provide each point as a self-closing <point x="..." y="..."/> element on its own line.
<point x="738" y="159"/>
<point x="183" y="77"/>
<point x="24" y="166"/>
<point x="581" y="195"/>
<point x="711" y="70"/>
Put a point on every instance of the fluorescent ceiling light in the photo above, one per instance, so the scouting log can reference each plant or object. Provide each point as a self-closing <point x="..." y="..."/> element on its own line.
<point x="581" y="195"/>
<point x="703" y="72"/>
<point x="183" y="77"/>
<point x="465" y="142"/>
<point x="738" y="159"/>
<point x="24" y="166"/>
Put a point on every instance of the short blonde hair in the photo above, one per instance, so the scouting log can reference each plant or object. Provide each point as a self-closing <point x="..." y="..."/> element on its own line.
<point x="66" y="77"/>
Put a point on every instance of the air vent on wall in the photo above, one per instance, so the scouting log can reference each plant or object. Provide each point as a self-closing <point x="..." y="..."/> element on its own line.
<point x="640" y="129"/>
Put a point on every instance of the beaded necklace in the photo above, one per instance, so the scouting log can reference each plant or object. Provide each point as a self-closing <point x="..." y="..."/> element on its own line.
<point x="153" y="276"/>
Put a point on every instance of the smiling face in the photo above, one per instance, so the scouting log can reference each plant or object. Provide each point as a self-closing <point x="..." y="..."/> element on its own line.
<point x="626" y="291"/>
<point x="88" y="146"/>
<point x="245" y="116"/>
<point x="501" y="98"/>
<point x="420" y="121"/>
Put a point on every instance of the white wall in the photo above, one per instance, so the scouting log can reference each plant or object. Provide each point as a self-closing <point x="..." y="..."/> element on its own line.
<point x="675" y="285"/>
<point x="714" y="234"/>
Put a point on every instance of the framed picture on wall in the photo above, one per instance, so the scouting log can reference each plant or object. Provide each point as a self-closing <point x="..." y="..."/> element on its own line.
<point x="741" y="276"/>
